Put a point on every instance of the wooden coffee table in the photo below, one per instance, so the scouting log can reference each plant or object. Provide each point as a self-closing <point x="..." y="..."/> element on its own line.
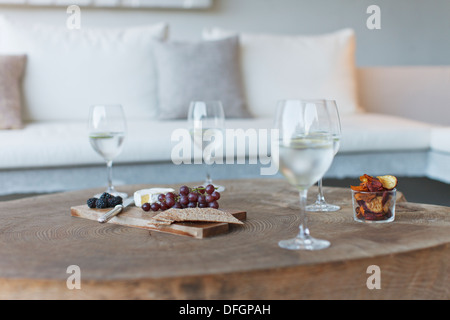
<point x="39" y="240"/>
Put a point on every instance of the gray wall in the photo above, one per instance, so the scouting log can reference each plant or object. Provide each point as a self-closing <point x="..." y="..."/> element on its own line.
<point x="413" y="32"/>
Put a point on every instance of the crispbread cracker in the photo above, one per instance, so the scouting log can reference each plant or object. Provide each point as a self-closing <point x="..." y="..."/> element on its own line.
<point x="195" y="214"/>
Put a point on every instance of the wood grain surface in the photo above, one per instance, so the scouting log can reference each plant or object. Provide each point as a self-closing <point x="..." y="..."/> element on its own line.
<point x="39" y="240"/>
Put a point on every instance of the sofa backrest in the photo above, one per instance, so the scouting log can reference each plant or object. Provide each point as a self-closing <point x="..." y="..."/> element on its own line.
<point x="416" y="92"/>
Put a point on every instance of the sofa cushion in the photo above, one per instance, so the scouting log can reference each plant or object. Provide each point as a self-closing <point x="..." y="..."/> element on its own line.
<point x="291" y="67"/>
<point x="372" y="132"/>
<point x="203" y="70"/>
<point x="11" y="71"/>
<point x="440" y="139"/>
<point x="69" y="70"/>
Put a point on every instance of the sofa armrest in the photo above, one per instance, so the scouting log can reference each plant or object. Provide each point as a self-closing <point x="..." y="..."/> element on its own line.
<point x="416" y="92"/>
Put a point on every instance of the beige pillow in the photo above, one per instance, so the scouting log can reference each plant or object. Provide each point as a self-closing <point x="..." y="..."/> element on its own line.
<point x="11" y="70"/>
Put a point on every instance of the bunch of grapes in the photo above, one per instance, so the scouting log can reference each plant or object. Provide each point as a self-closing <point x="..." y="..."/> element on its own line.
<point x="201" y="197"/>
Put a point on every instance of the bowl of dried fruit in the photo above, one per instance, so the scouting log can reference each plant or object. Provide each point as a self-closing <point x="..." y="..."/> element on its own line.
<point x="374" y="199"/>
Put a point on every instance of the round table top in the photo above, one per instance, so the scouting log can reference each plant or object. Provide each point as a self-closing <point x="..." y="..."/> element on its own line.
<point x="39" y="240"/>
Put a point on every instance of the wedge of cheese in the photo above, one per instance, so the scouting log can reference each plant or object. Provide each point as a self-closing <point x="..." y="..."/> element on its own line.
<point x="149" y="195"/>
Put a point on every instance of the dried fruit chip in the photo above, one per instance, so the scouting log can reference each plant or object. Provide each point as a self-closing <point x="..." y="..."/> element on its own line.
<point x="375" y="205"/>
<point x="389" y="182"/>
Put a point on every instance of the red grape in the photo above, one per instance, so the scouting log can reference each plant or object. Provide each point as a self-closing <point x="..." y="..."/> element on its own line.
<point x="193" y="196"/>
<point x="216" y="195"/>
<point x="155" y="206"/>
<point x="213" y="204"/>
<point x="184" y="190"/>
<point x="209" y="189"/>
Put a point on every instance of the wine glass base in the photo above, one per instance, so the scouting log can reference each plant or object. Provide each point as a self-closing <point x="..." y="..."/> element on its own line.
<point x="308" y="243"/>
<point x="322" y="207"/>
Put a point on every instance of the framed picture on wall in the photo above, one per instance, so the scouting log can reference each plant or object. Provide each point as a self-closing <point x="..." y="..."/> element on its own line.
<point x="116" y="3"/>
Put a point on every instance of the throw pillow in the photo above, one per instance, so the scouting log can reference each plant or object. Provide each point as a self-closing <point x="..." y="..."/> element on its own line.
<point x="278" y="67"/>
<point x="202" y="70"/>
<point x="69" y="70"/>
<point x="11" y="71"/>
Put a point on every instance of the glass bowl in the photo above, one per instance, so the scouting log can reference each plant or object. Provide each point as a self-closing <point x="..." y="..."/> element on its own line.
<point x="374" y="207"/>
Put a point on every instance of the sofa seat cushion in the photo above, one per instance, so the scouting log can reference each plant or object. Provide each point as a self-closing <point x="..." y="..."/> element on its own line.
<point x="371" y="132"/>
<point x="440" y="139"/>
<point x="56" y="144"/>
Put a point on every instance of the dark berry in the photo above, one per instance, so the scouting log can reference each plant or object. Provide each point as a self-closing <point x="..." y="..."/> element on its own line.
<point x="184" y="200"/>
<point x="114" y="201"/>
<point x="216" y="195"/>
<point x="105" y="195"/>
<point x="177" y="205"/>
<point x="214" y="205"/>
<point x="193" y="197"/>
<point x="184" y="190"/>
<point x="201" y="199"/>
<point x="201" y="189"/>
<point x="209" y="198"/>
<point x="170" y="202"/>
<point x="192" y="205"/>
<point x="209" y="189"/>
<point x="164" y="206"/>
<point x="155" y="206"/>
<point x="101" y="203"/>
<point x="170" y="195"/>
<point x="146" y="206"/>
<point x="91" y="202"/>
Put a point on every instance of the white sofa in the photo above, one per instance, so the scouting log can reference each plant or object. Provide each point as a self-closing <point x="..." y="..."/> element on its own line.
<point x="402" y="129"/>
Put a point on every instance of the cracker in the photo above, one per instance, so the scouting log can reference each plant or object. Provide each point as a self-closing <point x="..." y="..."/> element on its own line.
<point x="195" y="214"/>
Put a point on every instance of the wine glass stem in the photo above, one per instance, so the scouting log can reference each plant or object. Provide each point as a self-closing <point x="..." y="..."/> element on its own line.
<point x="109" y="164"/>
<point x="207" y="168"/>
<point x="320" y="197"/>
<point x="304" y="231"/>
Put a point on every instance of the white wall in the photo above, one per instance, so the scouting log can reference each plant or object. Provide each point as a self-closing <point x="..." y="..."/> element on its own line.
<point x="413" y="32"/>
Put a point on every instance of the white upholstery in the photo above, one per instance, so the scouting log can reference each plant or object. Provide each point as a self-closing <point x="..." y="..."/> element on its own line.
<point x="278" y="67"/>
<point x="69" y="70"/>
<point x="65" y="143"/>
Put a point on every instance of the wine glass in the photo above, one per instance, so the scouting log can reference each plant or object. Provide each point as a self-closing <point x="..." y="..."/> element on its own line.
<point x="320" y="204"/>
<point x="107" y="128"/>
<point x="206" y="122"/>
<point x="305" y="154"/>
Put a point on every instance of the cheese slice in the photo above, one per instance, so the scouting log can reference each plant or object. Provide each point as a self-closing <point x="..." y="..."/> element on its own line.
<point x="149" y="195"/>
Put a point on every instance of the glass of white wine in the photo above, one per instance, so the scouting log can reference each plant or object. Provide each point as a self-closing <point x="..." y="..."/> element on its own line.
<point x="206" y="121"/>
<point x="305" y="154"/>
<point x="107" y="129"/>
<point x="321" y="205"/>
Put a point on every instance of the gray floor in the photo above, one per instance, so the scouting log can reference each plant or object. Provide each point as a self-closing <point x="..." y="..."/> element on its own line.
<point x="420" y="190"/>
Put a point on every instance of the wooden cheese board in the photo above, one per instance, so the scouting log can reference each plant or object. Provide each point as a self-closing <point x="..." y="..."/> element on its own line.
<point x="136" y="217"/>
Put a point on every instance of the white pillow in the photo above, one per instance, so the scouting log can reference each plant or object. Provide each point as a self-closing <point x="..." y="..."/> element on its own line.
<point x="278" y="67"/>
<point x="68" y="70"/>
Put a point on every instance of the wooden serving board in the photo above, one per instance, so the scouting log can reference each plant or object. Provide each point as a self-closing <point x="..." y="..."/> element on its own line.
<point x="136" y="217"/>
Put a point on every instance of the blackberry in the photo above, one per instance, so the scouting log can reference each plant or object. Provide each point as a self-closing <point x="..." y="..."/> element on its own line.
<point x="101" y="203"/>
<point x="92" y="202"/>
<point x="106" y="196"/>
<point x="114" y="201"/>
